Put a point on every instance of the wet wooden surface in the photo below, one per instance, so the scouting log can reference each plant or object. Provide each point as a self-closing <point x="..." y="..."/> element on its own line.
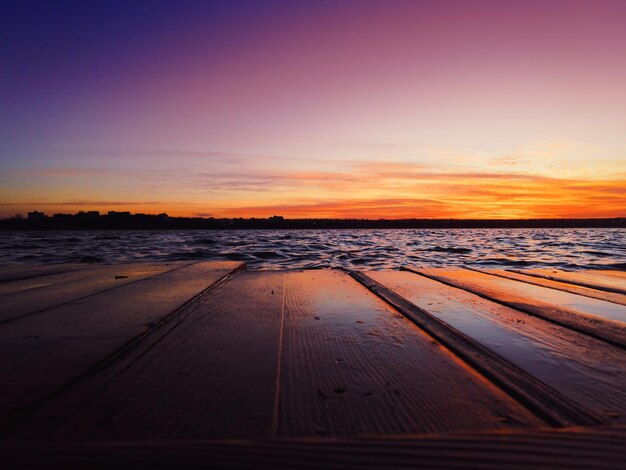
<point x="22" y="272"/>
<point x="36" y="294"/>
<point x="351" y="365"/>
<point x="299" y="354"/>
<point x="558" y="285"/>
<point x="582" y="368"/>
<point x="601" y="319"/>
<point x="610" y="281"/>
<point x="212" y="375"/>
<point x="48" y="350"/>
<point x="573" y="448"/>
<point x="175" y="353"/>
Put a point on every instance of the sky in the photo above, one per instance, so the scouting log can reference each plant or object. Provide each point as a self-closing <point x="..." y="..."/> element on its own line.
<point x="358" y="109"/>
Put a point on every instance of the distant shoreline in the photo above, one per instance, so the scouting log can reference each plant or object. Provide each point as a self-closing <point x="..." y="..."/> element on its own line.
<point x="126" y="221"/>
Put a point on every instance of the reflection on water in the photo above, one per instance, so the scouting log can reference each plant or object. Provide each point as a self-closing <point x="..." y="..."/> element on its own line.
<point x="371" y="249"/>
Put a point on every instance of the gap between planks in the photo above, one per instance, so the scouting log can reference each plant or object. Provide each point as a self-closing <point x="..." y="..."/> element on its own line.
<point x="581" y="367"/>
<point x="568" y="279"/>
<point x="92" y="294"/>
<point x="8" y="275"/>
<point x="182" y="313"/>
<point x="275" y="415"/>
<point x="539" y="398"/>
<point x="18" y="415"/>
<point x="243" y="406"/>
<point x="610" y="331"/>
<point x="563" y="286"/>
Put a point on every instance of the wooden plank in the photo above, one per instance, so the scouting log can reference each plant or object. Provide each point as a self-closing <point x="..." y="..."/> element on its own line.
<point x="610" y="281"/>
<point x="49" y="350"/>
<point x="594" y="317"/>
<point x="558" y="285"/>
<point x="211" y="375"/>
<point x="351" y="365"/>
<point x="217" y="373"/>
<point x="21" y="272"/>
<point x="34" y="295"/>
<point x="550" y="405"/>
<point x="611" y="273"/>
<point x="573" y="448"/>
<point x="582" y="368"/>
<point x="54" y="279"/>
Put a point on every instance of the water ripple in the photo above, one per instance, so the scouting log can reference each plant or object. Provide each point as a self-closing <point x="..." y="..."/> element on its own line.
<point x="358" y="249"/>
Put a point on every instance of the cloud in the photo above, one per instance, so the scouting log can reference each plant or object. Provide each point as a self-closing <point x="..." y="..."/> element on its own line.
<point x="356" y="189"/>
<point x="355" y="208"/>
<point x="69" y="171"/>
<point x="79" y="203"/>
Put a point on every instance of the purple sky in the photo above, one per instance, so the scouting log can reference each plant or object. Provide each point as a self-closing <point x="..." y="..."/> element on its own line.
<point x="318" y="108"/>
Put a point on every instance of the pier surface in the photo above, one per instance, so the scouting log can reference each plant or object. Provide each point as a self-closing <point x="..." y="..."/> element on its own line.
<point x="210" y="363"/>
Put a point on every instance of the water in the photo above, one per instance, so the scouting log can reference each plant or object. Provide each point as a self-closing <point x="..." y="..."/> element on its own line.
<point x="355" y="249"/>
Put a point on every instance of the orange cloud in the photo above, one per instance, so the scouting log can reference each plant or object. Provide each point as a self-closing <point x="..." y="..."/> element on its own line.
<point x="360" y="190"/>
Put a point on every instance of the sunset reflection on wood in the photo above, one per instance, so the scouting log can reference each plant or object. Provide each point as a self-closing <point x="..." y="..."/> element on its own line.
<point x="211" y="351"/>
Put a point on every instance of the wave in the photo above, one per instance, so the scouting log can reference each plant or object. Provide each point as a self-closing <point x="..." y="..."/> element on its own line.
<point x="268" y="254"/>
<point x="505" y="262"/>
<point x="351" y="249"/>
<point x="189" y="255"/>
<point x="618" y="266"/>
<point x="89" y="259"/>
<point x="205" y="241"/>
<point x="602" y="254"/>
<point x="451" y="249"/>
<point x="107" y="237"/>
<point x="22" y="246"/>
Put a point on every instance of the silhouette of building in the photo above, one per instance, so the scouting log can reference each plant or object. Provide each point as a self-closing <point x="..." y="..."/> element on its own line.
<point x="89" y="214"/>
<point x="36" y="215"/>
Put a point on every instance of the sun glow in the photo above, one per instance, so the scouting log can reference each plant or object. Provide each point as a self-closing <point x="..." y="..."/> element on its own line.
<point x="510" y="111"/>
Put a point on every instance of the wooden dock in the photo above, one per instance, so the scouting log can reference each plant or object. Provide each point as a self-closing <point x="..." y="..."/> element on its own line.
<point x="209" y="363"/>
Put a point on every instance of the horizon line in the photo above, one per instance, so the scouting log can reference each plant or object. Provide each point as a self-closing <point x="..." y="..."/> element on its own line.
<point x="93" y="213"/>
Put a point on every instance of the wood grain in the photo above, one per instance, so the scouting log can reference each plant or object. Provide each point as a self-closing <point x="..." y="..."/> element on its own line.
<point x="564" y="286"/>
<point x="547" y="403"/>
<point x="603" y="320"/>
<point x="34" y="295"/>
<point x="21" y="272"/>
<point x="351" y="365"/>
<point x="614" y="273"/>
<point x="574" y="448"/>
<point x="610" y="281"/>
<point x="47" y="351"/>
<point x="211" y="375"/>
<point x="580" y="367"/>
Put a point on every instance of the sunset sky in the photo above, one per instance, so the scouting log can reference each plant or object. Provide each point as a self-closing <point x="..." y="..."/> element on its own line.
<point x="368" y="109"/>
